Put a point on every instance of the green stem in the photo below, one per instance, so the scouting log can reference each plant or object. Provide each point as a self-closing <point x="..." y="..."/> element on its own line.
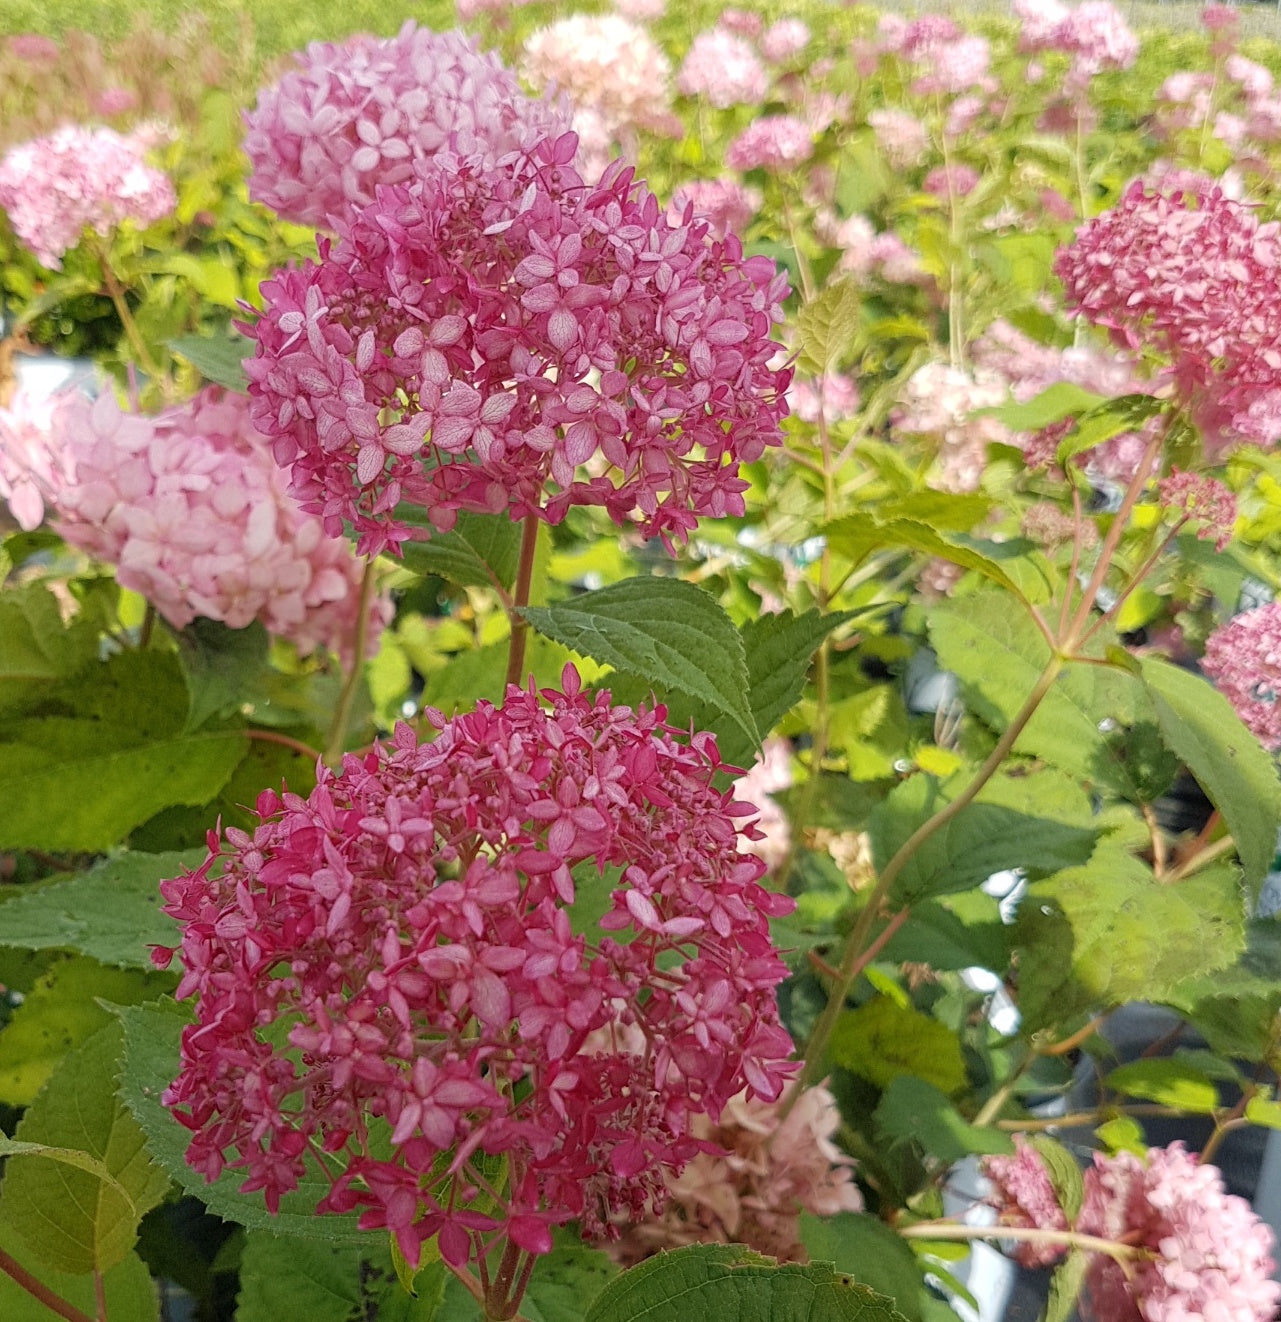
<point x="1070" y="642"/>
<point x="524" y="579"/>
<point x="1070" y="1239"/>
<point x="347" y="698"/>
<point x="853" y="959"/>
<point x="115" y="291"/>
<point x="1082" y="1119"/>
<point x="55" y="1303"/>
<point x="148" y="627"/>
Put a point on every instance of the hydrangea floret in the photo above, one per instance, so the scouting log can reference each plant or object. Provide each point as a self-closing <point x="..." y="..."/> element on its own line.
<point x="389" y="971"/>
<point x="505" y="337"/>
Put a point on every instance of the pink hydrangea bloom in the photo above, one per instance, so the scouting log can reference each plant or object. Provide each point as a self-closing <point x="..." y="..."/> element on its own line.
<point x="493" y="328"/>
<point x="742" y="21"/>
<point x="361" y="113"/>
<point x="641" y="9"/>
<point x="1253" y="79"/>
<point x="1023" y="1196"/>
<point x="602" y="61"/>
<point x="1098" y="37"/>
<point x="420" y="899"/>
<point x="784" y="39"/>
<point x="1207" y="1254"/>
<point x="772" y="142"/>
<point x="752" y="1189"/>
<point x="943" y="402"/>
<point x="1185" y="270"/>
<point x="1203" y="500"/>
<point x="924" y="37"/>
<point x="833" y="396"/>
<point x="1243" y="658"/>
<point x="956" y="180"/>
<point x="192" y="510"/>
<point x="727" y="205"/>
<point x="1040" y="22"/>
<point x="34" y="49"/>
<point x="725" y="69"/>
<point x="901" y="136"/>
<point x="56" y="187"/>
<point x="956" y="66"/>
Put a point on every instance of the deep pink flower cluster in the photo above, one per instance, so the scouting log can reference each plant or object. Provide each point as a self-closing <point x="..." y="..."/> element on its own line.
<point x="1203" y="500"/>
<point x="1187" y="271"/>
<point x="1024" y="1197"/>
<point x="1198" y="1252"/>
<point x="771" y="142"/>
<point x="1243" y="658"/>
<point x="192" y="510"/>
<point x="361" y="113"/>
<point x="725" y="69"/>
<point x="56" y="187"/>
<point x="495" y="327"/>
<point x="406" y="931"/>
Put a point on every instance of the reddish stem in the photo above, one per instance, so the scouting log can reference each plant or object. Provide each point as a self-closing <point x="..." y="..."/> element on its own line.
<point x="38" y="1290"/>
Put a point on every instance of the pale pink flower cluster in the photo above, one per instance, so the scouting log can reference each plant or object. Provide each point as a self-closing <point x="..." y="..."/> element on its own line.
<point x="1095" y="34"/>
<point x="469" y="9"/>
<point x="958" y="66"/>
<point x="942" y="402"/>
<point x="1184" y="270"/>
<point x="641" y="9"/>
<point x="1243" y="658"/>
<point x="901" y="136"/>
<point x="866" y="253"/>
<point x="785" y="39"/>
<point x="419" y="901"/>
<point x="833" y="396"/>
<point x="726" y="205"/>
<point x="77" y="179"/>
<point x="1031" y="367"/>
<point x="29" y="461"/>
<point x="753" y="1188"/>
<point x="771" y="771"/>
<point x="771" y="142"/>
<point x="1200" y="1252"/>
<point x="476" y="339"/>
<point x="361" y="113"/>
<point x="724" y="68"/>
<point x="604" y="62"/>
<point x="190" y="507"/>
<point x="955" y="180"/>
<point x="1210" y="1255"/>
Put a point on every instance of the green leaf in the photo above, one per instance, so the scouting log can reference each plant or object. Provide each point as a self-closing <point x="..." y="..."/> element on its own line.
<point x="912" y="1109"/>
<point x="37" y="648"/>
<point x="128" y="1288"/>
<point x="670" y="633"/>
<point x="1123" y="414"/>
<point x="1098" y="936"/>
<point x="1064" y="1172"/>
<point x="1170" y="1082"/>
<point x="856" y="536"/>
<point x="153" y="1036"/>
<point x="217" y="358"/>
<point x="1065" y="1286"/>
<point x="778" y="650"/>
<point x="111" y="913"/>
<point x="1263" y="1111"/>
<point x="122" y="757"/>
<point x="999" y="654"/>
<point x="827" y="324"/>
<point x="1235" y="1007"/>
<point x="1056" y="402"/>
<point x="731" y="1282"/>
<point x="953" y="933"/>
<point x="283" y="1277"/>
<point x="1198" y="723"/>
<point x="867" y="1250"/>
<point x="567" y="1280"/>
<point x="982" y="839"/>
<point x="481" y="550"/>
<point x="220" y="666"/>
<point x="881" y="1041"/>
<point x="60" y="1012"/>
<point x="77" y="1198"/>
